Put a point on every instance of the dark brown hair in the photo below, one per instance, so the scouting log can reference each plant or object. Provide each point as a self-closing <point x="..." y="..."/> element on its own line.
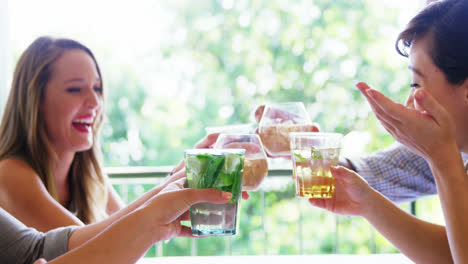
<point x="447" y="23"/>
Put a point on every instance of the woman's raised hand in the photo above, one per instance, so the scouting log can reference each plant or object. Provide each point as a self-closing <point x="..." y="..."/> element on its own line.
<point x="423" y="125"/>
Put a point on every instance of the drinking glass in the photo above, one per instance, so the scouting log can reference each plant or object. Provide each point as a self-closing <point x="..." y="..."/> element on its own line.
<point x="313" y="154"/>
<point x="255" y="163"/>
<point x="278" y="120"/>
<point x="221" y="169"/>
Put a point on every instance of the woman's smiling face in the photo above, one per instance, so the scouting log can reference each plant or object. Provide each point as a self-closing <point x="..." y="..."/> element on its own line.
<point x="72" y="102"/>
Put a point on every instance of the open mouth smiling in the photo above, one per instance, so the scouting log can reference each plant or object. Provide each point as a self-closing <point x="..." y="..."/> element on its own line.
<point x="83" y="125"/>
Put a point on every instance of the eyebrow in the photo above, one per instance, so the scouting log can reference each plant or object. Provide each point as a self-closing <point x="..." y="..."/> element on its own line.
<point x="80" y="80"/>
<point x="418" y="72"/>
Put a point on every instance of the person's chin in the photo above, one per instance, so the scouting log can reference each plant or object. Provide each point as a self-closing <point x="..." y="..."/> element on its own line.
<point x="84" y="147"/>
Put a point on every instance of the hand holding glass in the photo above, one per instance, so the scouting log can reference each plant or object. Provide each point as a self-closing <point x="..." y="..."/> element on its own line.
<point x="313" y="154"/>
<point x="221" y="169"/>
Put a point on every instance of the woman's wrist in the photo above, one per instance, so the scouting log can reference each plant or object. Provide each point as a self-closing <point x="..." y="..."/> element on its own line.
<point x="150" y="230"/>
<point x="445" y="158"/>
<point x="373" y="202"/>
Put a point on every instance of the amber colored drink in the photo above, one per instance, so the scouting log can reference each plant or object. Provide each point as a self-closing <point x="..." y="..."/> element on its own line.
<point x="312" y="172"/>
<point x="255" y="171"/>
<point x="275" y="138"/>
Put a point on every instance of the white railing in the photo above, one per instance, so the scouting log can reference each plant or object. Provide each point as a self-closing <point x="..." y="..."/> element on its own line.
<point x="306" y="235"/>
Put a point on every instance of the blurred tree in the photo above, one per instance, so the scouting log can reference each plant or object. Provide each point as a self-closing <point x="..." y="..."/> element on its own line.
<point x="222" y="59"/>
<point x="227" y="57"/>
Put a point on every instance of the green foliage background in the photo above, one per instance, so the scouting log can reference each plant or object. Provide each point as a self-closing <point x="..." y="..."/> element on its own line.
<point x="168" y="75"/>
<point x="227" y="57"/>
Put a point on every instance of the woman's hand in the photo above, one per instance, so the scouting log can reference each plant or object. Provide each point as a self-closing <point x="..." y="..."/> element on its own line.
<point x="171" y="206"/>
<point x="351" y="194"/>
<point x="423" y="125"/>
<point x="208" y="141"/>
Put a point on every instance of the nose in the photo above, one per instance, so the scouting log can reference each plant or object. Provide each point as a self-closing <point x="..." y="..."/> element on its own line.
<point x="94" y="100"/>
<point x="410" y="99"/>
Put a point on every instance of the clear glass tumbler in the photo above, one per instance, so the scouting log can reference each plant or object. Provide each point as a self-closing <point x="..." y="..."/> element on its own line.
<point x="221" y="169"/>
<point x="312" y="155"/>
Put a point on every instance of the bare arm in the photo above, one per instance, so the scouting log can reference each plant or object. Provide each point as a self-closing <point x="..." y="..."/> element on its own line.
<point x="123" y="242"/>
<point x="24" y="196"/>
<point x="114" y="202"/>
<point x="452" y="184"/>
<point x="126" y="240"/>
<point x="85" y="234"/>
<point x="421" y="241"/>
<point x="33" y="205"/>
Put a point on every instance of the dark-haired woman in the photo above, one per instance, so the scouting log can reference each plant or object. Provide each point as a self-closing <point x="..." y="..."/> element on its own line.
<point x="433" y="124"/>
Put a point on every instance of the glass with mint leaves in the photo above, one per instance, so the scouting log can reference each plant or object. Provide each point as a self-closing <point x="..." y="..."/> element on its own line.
<point x="221" y="169"/>
<point x="313" y="154"/>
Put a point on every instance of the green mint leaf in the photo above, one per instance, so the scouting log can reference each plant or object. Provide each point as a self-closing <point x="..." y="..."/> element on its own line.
<point x="299" y="157"/>
<point x="237" y="180"/>
<point x="208" y="179"/>
<point x="316" y="154"/>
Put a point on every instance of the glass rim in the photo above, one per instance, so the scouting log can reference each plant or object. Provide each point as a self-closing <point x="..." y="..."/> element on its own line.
<point x="212" y="151"/>
<point x="314" y="135"/>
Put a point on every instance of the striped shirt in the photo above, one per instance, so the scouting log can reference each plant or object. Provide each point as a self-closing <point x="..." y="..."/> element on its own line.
<point x="397" y="173"/>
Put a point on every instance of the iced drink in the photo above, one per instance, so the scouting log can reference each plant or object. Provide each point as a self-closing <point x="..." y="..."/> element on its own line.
<point x="221" y="169"/>
<point x="313" y="154"/>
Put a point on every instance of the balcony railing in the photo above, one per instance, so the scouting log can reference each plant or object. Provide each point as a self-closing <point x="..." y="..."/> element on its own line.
<point x="272" y="221"/>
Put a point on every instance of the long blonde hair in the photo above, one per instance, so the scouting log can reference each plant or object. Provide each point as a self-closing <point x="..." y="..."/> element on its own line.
<point x="23" y="133"/>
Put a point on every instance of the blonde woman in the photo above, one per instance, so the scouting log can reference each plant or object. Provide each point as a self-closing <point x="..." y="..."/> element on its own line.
<point x="50" y="169"/>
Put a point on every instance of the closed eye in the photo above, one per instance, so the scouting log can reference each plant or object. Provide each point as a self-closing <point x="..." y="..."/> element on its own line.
<point x="74" y="89"/>
<point x="98" y="89"/>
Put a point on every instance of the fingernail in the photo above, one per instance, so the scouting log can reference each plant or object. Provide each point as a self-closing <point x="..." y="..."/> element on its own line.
<point x="226" y="195"/>
<point x="358" y="85"/>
